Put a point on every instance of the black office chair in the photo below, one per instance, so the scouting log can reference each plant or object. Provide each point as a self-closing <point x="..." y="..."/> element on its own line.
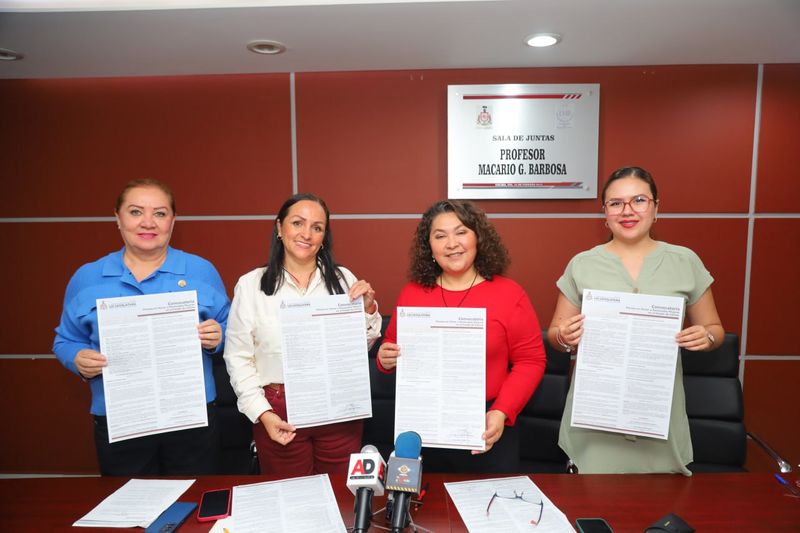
<point x="540" y="419"/>
<point x="236" y="431"/>
<point x="715" y="407"/>
<point x="379" y="430"/>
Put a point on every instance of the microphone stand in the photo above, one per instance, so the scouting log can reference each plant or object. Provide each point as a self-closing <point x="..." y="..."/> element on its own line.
<point x="413" y="525"/>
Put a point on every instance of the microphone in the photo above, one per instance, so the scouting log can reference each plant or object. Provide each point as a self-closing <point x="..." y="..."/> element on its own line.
<point x="404" y="477"/>
<point x="366" y="477"/>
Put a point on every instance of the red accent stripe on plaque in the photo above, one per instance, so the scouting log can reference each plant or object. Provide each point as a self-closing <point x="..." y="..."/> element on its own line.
<point x="565" y="96"/>
<point x="523" y="184"/>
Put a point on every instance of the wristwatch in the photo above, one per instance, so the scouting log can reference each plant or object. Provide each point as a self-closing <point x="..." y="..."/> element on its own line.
<point x="711" y="339"/>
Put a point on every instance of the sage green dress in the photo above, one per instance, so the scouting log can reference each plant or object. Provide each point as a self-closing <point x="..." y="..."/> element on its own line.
<point x="669" y="270"/>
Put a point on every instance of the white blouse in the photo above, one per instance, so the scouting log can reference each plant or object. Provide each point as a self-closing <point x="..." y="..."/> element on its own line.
<point x="253" y="354"/>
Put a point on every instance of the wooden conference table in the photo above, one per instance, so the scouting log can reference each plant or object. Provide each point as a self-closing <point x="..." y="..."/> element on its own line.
<point x="709" y="502"/>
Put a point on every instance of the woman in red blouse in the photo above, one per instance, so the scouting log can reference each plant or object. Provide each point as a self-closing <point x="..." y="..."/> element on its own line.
<point x="457" y="261"/>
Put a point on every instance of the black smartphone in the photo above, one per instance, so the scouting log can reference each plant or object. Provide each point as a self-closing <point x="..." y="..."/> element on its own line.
<point x="593" y="525"/>
<point x="214" y="505"/>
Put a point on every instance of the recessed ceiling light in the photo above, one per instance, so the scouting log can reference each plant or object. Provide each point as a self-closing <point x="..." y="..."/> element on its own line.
<point x="266" y="47"/>
<point x="540" y="40"/>
<point x="9" y="55"/>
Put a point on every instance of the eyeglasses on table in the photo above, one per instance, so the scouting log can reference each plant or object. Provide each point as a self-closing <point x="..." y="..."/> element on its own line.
<point x="514" y="495"/>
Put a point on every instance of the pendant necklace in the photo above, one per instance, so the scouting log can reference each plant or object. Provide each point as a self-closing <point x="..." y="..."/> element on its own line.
<point x="298" y="284"/>
<point x="441" y="286"/>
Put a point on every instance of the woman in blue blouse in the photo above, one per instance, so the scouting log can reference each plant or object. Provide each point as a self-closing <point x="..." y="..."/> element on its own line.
<point x="146" y="264"/>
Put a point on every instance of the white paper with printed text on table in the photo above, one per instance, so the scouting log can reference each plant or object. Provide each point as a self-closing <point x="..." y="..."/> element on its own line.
<point x="508" y="513"/>
<point x="298" y="504"/>
<point x="136" y="504"/>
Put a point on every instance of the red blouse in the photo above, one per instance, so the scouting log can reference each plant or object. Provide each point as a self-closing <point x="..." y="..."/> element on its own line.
<point x="515" y="356"/>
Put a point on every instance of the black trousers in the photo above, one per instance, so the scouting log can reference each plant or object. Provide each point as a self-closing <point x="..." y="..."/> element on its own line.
<point x="503" y="458"/>
<point x="187" y="452"/>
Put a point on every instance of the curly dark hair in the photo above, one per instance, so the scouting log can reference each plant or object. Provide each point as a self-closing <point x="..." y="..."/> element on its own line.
<point x="491" y="258"/>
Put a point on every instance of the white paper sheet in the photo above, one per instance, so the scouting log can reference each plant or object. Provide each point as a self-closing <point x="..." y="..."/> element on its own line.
<point x="298" y="504"/>
<point x="154" y="378"/>
<point x="325" y="362"/>
<point x="506" y="514"/>
<point x="224" y="525"/>
<point x="625" y="368"/>
<point x="441" y="376"/>
<point x="135" y="504"/>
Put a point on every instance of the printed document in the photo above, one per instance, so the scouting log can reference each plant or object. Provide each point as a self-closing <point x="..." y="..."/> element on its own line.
<point x="154" y="378"/>
<point x="298" y="504"/>
<point x="325" y="363"/>
<point x="517" y="505"/>
<point x="136" y="504"/>
<point x="625" y="368"/>
<point x="441" y="376"/>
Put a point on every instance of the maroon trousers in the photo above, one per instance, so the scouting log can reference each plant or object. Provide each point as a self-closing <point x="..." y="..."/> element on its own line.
<point x="318" y="450"/>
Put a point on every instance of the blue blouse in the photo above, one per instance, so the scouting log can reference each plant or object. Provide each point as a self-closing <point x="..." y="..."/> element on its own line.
<point x="108" y="277"/>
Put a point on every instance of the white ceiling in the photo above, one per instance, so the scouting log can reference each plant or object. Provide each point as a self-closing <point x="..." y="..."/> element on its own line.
<point x="136" y="39"/>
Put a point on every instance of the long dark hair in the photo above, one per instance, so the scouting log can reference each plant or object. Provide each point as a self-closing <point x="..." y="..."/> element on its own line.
<point x="491" y="258"/>
<point x="272" y="279"/>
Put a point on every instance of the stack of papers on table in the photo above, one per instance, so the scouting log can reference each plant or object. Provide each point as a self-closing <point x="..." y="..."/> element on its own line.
<point x="298" y="504"/>
<point x="136" y="504"/>
<point x="508" y="513"/>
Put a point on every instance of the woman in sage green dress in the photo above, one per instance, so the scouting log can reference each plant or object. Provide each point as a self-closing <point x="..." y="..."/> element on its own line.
<point x="632" y="261"/>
